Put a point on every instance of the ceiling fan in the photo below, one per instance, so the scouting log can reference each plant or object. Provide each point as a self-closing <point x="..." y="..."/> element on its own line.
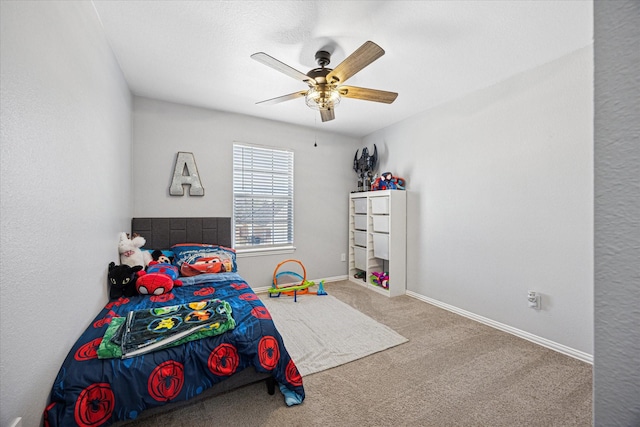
<point x="326" y="85"/>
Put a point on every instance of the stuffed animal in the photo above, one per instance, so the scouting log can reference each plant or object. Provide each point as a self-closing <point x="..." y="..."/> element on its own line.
<point x="387" y="181"/>
<point x="158" y="279"/>
<point x="130" y="253"/>
<point x="380" y="279"/>
<point x="159" y="257"/>
<point x="122" y="280"/>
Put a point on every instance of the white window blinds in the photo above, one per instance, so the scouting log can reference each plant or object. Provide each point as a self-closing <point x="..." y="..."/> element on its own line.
<point x="262" y="197"/>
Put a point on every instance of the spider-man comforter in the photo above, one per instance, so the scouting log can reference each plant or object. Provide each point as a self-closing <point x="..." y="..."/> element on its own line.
<point x="92" y="392"/>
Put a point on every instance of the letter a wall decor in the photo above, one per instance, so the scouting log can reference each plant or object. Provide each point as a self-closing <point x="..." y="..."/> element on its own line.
<point x="185" y="171"/>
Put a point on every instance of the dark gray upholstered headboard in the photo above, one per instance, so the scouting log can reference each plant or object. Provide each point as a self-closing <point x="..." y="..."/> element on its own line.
<point x="162" y="233"/>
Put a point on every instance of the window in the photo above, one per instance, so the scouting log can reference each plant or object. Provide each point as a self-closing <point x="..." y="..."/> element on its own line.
<point x="262" y="197"/>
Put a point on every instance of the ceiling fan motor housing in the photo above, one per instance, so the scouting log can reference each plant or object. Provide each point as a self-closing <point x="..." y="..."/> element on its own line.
<point x="323" y="58"/>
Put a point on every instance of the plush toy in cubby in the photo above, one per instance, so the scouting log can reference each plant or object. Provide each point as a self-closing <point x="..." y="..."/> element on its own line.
<point x="379" y="278"/>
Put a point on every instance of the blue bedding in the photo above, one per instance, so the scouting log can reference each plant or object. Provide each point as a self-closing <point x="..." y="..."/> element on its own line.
<point x="92" y="392"/>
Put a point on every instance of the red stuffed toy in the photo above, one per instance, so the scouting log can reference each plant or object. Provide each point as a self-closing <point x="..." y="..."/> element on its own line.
<point x="158" y="279"/>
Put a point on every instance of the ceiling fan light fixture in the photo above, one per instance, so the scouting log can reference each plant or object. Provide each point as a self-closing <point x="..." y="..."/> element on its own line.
<point x="322" y="97"/>
<point x="326" y="84"/>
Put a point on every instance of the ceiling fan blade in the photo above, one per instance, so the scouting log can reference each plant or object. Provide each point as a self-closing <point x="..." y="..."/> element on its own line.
<point x="327" y="114"/>
<point x="282" y="67"/>
<point x="367" y="94"/>
<point x="363" y="56"/>
<point x="283" y="98"/>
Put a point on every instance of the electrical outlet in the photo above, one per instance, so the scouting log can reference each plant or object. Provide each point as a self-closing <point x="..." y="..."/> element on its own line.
<point x="343" y="257"/>
<point x="534" y="300"/>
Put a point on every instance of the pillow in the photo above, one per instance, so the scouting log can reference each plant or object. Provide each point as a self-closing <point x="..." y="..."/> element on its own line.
<point x="190" y="253"/>
<point x="203" y="265"/>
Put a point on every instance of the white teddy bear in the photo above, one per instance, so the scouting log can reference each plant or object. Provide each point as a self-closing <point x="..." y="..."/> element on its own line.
<point x="130" y="253"/>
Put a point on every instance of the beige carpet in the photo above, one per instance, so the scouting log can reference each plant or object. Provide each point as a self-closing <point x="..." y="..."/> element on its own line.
<point x="322" y="332"/>
<point x="452" y="372"/>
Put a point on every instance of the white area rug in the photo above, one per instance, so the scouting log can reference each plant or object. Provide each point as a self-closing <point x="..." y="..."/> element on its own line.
<point x="322" y="332"/>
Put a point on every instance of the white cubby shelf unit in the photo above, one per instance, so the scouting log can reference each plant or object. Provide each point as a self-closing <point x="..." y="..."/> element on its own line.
<point x="378" y="239"/>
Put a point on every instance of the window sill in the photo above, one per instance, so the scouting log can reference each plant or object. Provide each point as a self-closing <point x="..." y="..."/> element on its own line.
<point x="241" y="253"/>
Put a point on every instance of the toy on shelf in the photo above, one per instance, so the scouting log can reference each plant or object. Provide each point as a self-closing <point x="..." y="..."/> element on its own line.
<point x="380" y="279"/>
<point x="362" y="275"/>
<point x="364" y="167"/>
<point x="293" y="289"/>
<point x="387" y="181"/>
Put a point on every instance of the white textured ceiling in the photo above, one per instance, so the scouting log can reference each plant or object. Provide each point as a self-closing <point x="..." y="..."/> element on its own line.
<point x="198" y="52"/>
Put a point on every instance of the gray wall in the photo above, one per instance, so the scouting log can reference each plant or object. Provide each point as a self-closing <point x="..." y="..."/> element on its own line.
<point x="323" y="176"/>
<point x="617" y="211"/>
<point x="65" y="186"/>
<point x="501" y="202"/>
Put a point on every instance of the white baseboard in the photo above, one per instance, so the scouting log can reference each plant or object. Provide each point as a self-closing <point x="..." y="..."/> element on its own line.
<point x="577" y="354"/>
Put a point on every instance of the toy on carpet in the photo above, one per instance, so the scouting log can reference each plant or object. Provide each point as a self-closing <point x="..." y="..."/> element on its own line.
<point x="380" y="279"/>
<point x="130" y="253"/>
<point x="158" y="279"/>
<point x="122" y="280"/>
<point x="294" y="289"/>
<point x="387" y="181"/>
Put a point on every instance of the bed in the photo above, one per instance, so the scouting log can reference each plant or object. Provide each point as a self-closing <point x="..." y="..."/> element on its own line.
<point x="93" y="390"/>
